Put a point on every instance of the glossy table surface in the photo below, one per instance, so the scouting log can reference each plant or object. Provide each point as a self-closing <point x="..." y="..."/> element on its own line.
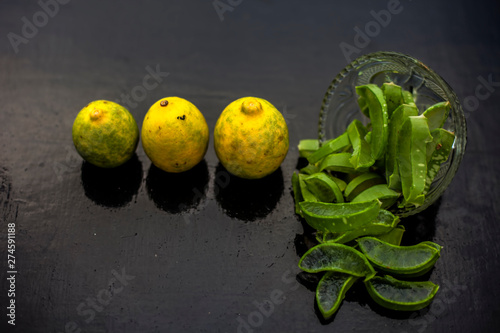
<point x="138" y="250"/>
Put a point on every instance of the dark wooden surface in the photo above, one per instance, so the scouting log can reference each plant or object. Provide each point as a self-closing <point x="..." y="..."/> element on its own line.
<point x="201" y="252"/>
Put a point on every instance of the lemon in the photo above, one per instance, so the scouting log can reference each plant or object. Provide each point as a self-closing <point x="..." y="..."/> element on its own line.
<point x="105" y="134"/>
<point x="174" y="134"/>
<point x="251" y="138"/>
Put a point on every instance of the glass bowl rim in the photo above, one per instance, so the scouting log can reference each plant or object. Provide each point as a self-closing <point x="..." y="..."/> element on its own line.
<point x="458" y="117"/>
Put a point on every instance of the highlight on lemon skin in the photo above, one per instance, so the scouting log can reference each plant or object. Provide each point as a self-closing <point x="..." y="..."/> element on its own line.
<point x="251" y="138"/>
<point x="174" y="134"/>
<point x="105" y="134"/>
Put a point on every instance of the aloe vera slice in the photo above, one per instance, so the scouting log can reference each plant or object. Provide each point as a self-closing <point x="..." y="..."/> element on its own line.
<point x="383" y="224"/>
<point x="331" y="291"/>
<point x="309" y="169"/>
<point x="336" y="258"/>
<point x="377" y="107"/>
<point x="438" y="151"/>
<point x="368" y="137"/>
<point x="339" y="162"/>
<point x="406" y="261"/>
<point x="339" y="217"/>
<point x="393" y="96"/>
<point x="387" y="218"/>
<point x="297" y="195"/>
<point x="391" y="163"/>
<point x="437" y="114"/>
<point x="381" y="192"/>
<point x="433" y="245"/>
<point x="408" y="98"/>
<point x="394" y="236"/>
<point x="323" y="187"/>
<point x="340" y="183"/>
<point x="361" y="156"/>
<point x="363" y="106"/>
<point x="306" y="194"/>
<point x="412" y="159"/>
<point x="361" y="183"/>
<point x="329" y="147"/>
<point x="401" y="295"/>
<point x="327" y="236"/>
<point x="307" y="147"/>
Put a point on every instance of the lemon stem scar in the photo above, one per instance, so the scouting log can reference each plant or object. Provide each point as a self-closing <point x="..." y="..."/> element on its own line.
<point x="95" y="114"/>
<point x="164" y="102"/>
<point x="251" y="106"/>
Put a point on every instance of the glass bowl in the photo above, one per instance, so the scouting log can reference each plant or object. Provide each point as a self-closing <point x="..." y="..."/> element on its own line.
<point x="340" y="107"/>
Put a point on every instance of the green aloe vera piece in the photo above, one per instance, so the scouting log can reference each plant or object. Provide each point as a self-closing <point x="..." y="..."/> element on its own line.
<point x="437" y="114"/>
<point x="335" y="257"/>
<point x="368" y="137"/>
<point x="401" y="295"/>
<point x="377" y="107"/>
<point x="306" y="194"/>
<point x="383" y="224"/>
<point x="406" y="261"/>
<point x="307" y="147"/>
<point x="412" y="159"/>
<point x="363" y="106"/>
<point x="326" y="236"/>
<point x="339" y="162"/>
<point x="438" y="151"/>
<point x="329" y="147"/>
<point x="394" y="236"/>
<point x="393" y="96"/>
<point x="361" y="156"/>
<point x="309" y="169"/>
<point x="339" y="217"/>
<point x="323" y="187"/>
<point x="387" y="218"/>
<point x="391" y="162"/>
<point x="433" y="245"/>
<point x="408" y="98"/>
<point x="361" y="183"/>
<point x="381" y="192"/>
<point x="331" y="291"/>
<point x="340" y="183"/>
<point x="297" y="195"/>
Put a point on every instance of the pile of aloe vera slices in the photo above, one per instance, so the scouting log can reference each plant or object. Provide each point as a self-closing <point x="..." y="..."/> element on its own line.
<point x="348" y="189"/>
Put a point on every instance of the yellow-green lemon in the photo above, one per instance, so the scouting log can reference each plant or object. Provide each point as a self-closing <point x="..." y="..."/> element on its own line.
<point x="251" y="138"/>
<point x="174" y="134"/>
<point x="105" y="134"/>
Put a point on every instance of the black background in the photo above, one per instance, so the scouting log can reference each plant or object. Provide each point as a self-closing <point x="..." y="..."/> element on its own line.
<point x="201" y="250"/>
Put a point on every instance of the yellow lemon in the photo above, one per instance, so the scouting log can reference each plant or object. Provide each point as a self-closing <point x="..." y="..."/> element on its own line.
<point x="105" y="134"/>
<point x="174" y="134"/>
<point x="251" y="138"/>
